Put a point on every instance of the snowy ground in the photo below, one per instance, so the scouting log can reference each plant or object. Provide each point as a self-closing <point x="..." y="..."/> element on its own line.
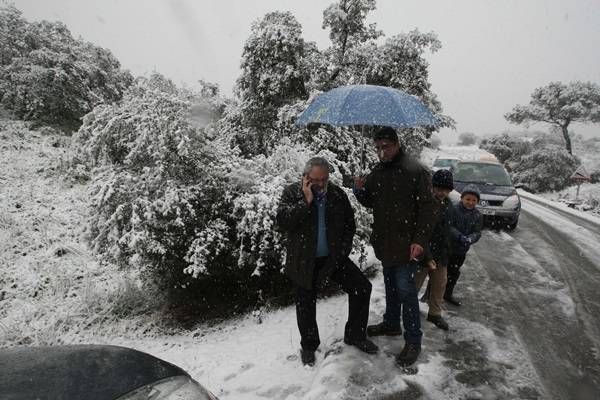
<point x="528" y="330"/>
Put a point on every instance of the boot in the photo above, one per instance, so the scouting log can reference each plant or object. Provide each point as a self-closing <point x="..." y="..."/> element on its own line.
<point x="448" y="294"/>
<point x="383" y="330"/>
<point x="408" y="355"/>
<point x="452" y="300"/>
<point x="438" y="321"/>
<point x="364" y="345"/>
<point x="308" y="357"/>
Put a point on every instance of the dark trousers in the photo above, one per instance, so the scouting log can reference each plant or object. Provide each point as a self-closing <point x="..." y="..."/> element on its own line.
<point x="353" y="282"/>
<point x="454" y="263"/>
<point x="401" y="298"/>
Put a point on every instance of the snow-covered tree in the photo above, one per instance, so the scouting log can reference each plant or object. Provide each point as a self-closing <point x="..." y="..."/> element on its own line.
<point x="545" y="169"/>
<point x="349" y="32"/>
<point x="272" y="72"/>
<point x="506" y="147"/>
<point x="467" y="139"/>
<point x="13" y="35"/>
<point x="49" y="77"/>
<point x="560" y="104"/>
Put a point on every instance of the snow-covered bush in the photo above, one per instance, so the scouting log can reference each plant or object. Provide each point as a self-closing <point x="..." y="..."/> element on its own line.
<point x="467" y="139"/>
<point x="161" y="198"/>
<point x="506" y="148"/>
<point x="545" y="169"/>
<point x="49" y="77"/>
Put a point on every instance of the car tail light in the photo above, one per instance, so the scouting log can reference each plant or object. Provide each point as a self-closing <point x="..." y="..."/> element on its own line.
<point x="174" y="388"/>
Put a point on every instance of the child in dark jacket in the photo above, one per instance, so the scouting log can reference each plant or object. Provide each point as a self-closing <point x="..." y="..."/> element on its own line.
<point x="465" y="230"/>
<point x="436" y="255"/>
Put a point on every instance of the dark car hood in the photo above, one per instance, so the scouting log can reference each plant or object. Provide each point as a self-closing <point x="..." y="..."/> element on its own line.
<point x="78" y="372"/>
<point x="487" y="189"/>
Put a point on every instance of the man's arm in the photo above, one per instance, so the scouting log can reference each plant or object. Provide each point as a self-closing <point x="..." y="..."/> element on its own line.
<point x="362" y="191"/>
<point x="292" y="211"/>
<point x="476" y="235"/>
<point x="454" y="232"/>
<point x="349" y="226"/>
<point x="427" y="210"/>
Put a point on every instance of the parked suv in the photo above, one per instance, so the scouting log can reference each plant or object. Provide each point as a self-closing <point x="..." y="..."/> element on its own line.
<point x="499" y="199"/>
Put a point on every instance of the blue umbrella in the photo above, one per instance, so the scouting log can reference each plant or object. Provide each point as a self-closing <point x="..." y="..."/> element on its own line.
<point x="367" y="105"/>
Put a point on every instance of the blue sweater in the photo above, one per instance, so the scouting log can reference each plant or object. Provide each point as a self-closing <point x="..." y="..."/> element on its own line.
<point x="465" y="228"/>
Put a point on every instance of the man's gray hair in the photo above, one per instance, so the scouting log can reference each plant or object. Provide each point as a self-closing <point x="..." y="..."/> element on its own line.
<point x="317" y="162"/>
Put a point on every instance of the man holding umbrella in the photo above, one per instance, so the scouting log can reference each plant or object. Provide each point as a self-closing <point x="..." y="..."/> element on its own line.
<point x="398" y="189"/>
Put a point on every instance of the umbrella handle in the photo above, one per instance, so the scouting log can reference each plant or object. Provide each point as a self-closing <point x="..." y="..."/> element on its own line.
<point x="363" y="151"/>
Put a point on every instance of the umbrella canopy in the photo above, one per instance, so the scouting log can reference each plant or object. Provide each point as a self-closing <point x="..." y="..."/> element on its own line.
<point x="368" y="105"/>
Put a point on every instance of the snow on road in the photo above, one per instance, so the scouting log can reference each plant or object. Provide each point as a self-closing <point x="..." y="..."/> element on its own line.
<point x="547" y="277"/>
<point x="584" y="237"/>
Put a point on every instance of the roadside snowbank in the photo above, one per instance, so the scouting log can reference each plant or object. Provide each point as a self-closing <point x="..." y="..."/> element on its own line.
<point x="561" y="206"/>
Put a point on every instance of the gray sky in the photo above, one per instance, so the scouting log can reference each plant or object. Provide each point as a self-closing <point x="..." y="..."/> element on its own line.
<point x="494" y="52"/>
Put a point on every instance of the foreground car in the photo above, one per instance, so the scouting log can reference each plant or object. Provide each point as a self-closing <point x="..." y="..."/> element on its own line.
<point x="499" y="199"/>
<point x="92" y="372"/>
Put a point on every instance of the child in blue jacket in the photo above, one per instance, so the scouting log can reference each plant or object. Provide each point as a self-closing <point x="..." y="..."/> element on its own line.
<point x="465" y="230"/>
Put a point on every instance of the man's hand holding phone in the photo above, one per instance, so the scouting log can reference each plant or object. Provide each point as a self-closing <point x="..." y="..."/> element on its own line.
<point x="307" y="189"/>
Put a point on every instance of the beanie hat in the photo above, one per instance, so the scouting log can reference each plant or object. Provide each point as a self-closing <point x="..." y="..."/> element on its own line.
<point x="471" y="189"/>
<point x="386" y="133"/>
<point x="443" y="179"/>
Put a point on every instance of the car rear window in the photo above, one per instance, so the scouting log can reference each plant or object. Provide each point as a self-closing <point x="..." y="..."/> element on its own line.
<point x="443" y="162"/>
<point x="490" y="174"/>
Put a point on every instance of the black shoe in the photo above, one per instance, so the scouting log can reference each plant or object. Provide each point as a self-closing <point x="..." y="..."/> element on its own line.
<point x="383" y="330"/>
<point x="308" y="357"/>
<point x="453" y="300"/>
<point x="438" y="321"/>
<point x="363" y="345"/>
<point x="408" y="355"/>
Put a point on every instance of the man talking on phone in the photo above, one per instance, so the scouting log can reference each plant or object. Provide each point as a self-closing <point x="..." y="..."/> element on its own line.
<point x="318" y="221"/>
<point x="398" y="189"/>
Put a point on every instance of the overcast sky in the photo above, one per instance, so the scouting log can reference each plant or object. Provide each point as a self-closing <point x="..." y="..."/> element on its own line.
<point x="495" y="52"/>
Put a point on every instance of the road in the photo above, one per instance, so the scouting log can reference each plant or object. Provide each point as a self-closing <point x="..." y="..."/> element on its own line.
<point x="540" y="286"/>
<point x="528" y="329"/>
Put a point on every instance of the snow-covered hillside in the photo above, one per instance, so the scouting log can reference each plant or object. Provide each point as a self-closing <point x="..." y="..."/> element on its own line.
<point x="51" y="284"/>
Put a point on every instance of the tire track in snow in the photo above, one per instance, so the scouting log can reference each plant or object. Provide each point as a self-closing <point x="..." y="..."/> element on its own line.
<point x="543" y="314"/>
<point x="568" y="263"/>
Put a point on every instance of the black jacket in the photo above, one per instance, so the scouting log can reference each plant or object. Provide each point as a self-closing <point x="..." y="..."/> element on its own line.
<point x="299" y="222"/>
<point x="438" y="248"/>
<point x="399" y="192"/>
<point x="467" y="223"/>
